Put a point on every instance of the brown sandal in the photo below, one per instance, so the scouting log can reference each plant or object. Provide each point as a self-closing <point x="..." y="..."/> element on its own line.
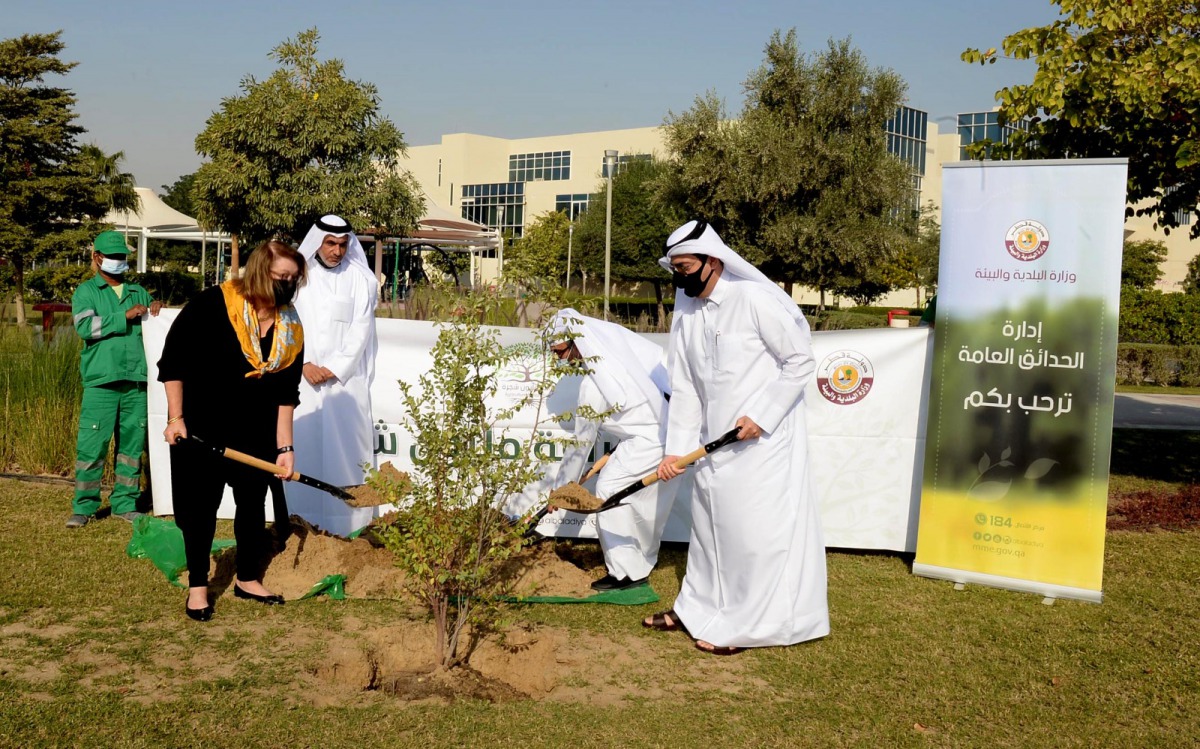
<point x="715" y="650"/>
<point x="665" y="621"/>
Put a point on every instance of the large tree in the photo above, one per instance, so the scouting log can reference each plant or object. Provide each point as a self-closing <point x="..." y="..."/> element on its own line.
<point x="53" y="192"/>
<point x="178" y="194"/>
<point x="642" y="219"/>
<point x="802" y="183"/>
<point x="1113" y="79"/>
<point x="540" y="255"/>
<point x="304" y="142"/>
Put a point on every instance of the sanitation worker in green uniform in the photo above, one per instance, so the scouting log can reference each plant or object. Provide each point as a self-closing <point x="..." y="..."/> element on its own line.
<point x="108" y="315"/>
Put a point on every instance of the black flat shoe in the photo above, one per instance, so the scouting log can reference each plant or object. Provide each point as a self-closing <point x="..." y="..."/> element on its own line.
<point x="608" y="582"/>
<point x="200" y="615"/>
<point x="271" y="600"/>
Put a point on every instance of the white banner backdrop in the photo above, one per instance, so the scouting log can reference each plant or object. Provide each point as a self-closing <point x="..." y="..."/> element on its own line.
<point x="865" y="410"/>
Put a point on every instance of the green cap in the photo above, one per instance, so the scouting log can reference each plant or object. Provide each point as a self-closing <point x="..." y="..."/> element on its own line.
<point x="111" y="243"/>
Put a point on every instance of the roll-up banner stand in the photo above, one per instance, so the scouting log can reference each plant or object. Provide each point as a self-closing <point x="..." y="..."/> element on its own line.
<point x="1015" y="483"/>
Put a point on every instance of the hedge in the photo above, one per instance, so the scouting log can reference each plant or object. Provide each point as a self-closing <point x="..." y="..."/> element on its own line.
<point x="1158" y="364"/>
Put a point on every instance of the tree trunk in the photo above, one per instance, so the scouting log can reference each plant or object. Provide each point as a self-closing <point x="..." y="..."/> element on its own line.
<point x="233" y="256"/>
<point x="821" y="304"/>
<point x="19" y="281"/>
<point x="661" y="310"/>
<point x="379" y="261"/>
<point x="440" y="611"/>
<point x="788" y="286"/>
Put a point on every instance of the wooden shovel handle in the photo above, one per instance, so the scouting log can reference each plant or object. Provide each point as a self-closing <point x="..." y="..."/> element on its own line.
<point x="595" y="467"/>
<point x="682" y="463"/>
<point x="254" y="462"/>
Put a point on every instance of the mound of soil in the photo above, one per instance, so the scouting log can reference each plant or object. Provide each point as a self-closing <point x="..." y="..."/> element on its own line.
<point x="309" y="554"/>
<point x="524" y="662"/>
<point x="574" y="497"/>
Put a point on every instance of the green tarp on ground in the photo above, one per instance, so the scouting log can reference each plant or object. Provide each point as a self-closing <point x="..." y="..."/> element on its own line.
<point x="161" y="542"/>
<point x="629" y="597"/>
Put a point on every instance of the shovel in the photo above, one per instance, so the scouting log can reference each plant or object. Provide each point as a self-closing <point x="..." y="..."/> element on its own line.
<point x="537" y="516"/>
<point x="616" y="499"/>
<point x="250" y="460"/>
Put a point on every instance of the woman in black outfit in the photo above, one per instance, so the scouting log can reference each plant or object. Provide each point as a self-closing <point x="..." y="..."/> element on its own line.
<point x="231" y="365"/>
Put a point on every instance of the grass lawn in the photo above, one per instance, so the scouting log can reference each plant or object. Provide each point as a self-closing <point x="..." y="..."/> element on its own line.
<point x="95" y="651"/>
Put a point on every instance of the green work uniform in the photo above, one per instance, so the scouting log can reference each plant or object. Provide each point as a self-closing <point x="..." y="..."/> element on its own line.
<point x="113" y="365"/>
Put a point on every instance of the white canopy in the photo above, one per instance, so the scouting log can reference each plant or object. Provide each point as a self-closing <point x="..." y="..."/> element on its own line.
<point x="154" y="218"/>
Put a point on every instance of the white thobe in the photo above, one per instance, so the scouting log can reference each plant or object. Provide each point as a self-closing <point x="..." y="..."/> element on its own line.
<point x="756" y="562"/>
<point x="630" y="534"/>
<point x="333" y="431"/>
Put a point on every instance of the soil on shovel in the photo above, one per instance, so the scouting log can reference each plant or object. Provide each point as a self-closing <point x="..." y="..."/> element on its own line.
<point x="574" y="497"/>
<point x="368" y="496"/>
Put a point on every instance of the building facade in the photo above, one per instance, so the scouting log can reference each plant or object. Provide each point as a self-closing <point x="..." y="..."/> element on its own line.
<point x="507" y="183"/>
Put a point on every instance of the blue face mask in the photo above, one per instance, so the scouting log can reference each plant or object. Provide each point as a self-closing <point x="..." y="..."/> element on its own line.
<point x="114" y="266"/>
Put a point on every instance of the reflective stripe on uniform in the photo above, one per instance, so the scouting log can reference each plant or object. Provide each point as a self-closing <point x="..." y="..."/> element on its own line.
<point x="125" y="460"/>
<point x="86" y="486"/>
<point x="82" y="466"/>
<point x="125" y="480"/>
<point x="97" y="326"/>
<point x="84" y="315"/>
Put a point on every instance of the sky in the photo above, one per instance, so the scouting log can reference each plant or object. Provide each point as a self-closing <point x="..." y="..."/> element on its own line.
<point x="151" y="73"/>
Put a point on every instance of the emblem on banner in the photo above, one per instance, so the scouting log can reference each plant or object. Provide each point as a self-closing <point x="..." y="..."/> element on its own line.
<point x="1027" y="240"/>
<point x="523" y="370"/>
<point x="845" y="377"/>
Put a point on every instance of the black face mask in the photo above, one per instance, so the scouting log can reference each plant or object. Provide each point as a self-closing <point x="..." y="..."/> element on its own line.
<point x="284" y="291"/>
<point x="691" y="283"/>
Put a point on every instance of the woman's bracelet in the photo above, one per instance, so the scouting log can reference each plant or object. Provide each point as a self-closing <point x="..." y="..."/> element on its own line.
<point x="174" y="419"/>
<point x="285" y="449"/>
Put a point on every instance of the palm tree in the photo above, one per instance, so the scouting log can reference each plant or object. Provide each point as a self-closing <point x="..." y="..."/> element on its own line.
<point x="114" y="188"/>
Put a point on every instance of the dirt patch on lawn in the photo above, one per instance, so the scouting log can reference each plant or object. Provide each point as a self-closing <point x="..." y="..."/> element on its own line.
<point x="1159" y="508"/>
<point x="538" y="663"/>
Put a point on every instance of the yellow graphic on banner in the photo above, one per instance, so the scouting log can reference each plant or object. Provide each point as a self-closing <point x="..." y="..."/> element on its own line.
<point x="1058" y="540"/>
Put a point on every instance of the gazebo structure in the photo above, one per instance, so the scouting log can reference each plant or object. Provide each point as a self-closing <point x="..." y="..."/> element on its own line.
<point x="156" y="219"/>
<point x="442" y="231"/>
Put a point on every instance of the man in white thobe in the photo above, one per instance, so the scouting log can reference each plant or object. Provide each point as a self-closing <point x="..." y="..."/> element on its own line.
<point x="333" y="430"/>
<point x="741" y="355"/>
<point x="625" y="376"/>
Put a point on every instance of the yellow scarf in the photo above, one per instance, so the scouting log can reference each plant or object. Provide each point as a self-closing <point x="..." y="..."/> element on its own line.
<point x="289" y="336"/>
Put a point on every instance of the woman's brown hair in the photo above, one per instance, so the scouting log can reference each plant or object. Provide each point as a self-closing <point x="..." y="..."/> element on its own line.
<point x="256" y="283"/>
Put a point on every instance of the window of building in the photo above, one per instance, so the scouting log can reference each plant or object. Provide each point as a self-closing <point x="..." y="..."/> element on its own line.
<point x="905" y="133"/>
<point x="622" y="160"/>
<point x="571" y="204"/>
<point x="985" y="126"/>
<point x="535" y="167"/>
<point x="496" y="205"/>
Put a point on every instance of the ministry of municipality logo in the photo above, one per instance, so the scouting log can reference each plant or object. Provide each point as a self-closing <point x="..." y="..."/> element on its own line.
<point x="845" y="377"/>
<point x="522" y="369"/>
<point x="1027" y="240"/>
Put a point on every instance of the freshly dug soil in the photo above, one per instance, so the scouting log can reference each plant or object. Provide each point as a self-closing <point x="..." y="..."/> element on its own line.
<point x="369" y="496"/>
<point x="574" y="497"/>
<point x="308" y="554"/>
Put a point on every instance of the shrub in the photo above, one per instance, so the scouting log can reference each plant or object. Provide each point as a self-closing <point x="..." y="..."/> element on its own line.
<point x="450" y="536"/>
<point x="1158" y="364"/>
<point x="1150" y="316"/>
<point x="171" y="287"/>
<point x="55" y="284"/>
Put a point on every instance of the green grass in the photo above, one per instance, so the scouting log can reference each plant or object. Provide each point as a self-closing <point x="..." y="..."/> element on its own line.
<point x="41" y="389"/>
<point x="1155" y="390"/>
<point x="86" y="634"/>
